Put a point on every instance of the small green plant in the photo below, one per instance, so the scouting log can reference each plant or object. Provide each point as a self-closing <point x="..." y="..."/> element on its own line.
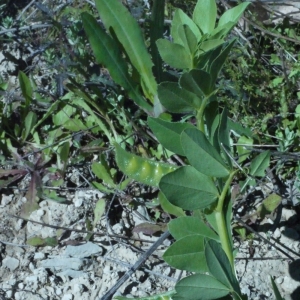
<point x="202" y="187"/>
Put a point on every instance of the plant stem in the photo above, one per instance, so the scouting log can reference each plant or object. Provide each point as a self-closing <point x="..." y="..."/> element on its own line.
<point x="200" y="116"/>
<point x="224" y="237"/>
<point x="221" y="221"/>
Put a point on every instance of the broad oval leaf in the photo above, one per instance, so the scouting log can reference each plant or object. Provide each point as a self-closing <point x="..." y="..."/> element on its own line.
<point x="219" y="265"/>
<point x="187" y="254"/>
<point x="205" y="14"/>
<point x="171" y="52"/>
<point x="201" y="287"/>
<point x="188" y="38"/>
<point x="184" y="226"/>
<point x="189" y="189"/>
<point x="197" y="82"/>
<point x="141" y="169"/>
<point x="201" y="154"/>
<point x="177" y="100"/>
<point x="218" y="63"/>
<point x="168" y="133"/>
<point x="114" y="14"/>
<point x="180" y="18"/>
<point x="233" y="14"/>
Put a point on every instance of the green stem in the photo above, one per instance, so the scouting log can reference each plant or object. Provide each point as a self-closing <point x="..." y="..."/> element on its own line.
<point x="221" y="221"/>
<point x="200" y="116"/>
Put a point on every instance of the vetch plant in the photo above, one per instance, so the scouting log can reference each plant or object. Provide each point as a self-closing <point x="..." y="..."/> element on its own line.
<point x="199" y="192"/>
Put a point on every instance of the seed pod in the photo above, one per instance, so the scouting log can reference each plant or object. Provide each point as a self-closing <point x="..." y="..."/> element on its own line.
<point x="141" y="169"/>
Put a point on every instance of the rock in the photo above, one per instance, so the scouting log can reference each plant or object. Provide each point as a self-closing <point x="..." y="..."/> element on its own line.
<point x="11" y="263"/>
<point x="67" y="297"/>
<point x="85" y="250"/>
<point x="39" y="255"/>
<point x="61" y="263"/>
<point x="277" y="233"/>
<point x="71" y="273"/>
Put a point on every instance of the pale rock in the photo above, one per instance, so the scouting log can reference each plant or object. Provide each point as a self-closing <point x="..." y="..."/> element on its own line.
<point x="78" y="289"/>
<point x="6" y="199"/>
<point x="67" y="297"/>
<point x="11" y="263"/>
<point x="277" y="233"/>
<point x="39" y="255"/>
<point x="61" y="263"/>
<point x="85" y="250"/>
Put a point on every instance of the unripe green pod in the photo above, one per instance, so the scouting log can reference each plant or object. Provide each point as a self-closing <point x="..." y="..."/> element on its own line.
<point x="143" y="170"/>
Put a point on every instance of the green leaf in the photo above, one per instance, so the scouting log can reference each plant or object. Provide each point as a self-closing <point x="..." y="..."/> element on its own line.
<point x="219" y="265"/>
<point x="169" y="207"/>
<point x="99" y="210"/>
<point x="30" y="121"/>
<point x="114" y="14"/>
<point x="188" y="38"/>
<point x="75" y="124"/>
<point x="205" y="14"/>
<point x="26" y="88"/>
<point x="102" y="188"/>
<point x="268" y="205"/>
<point x="201" y="154"/>
<point x="207" y="46"/>
<point x="180" y="18"/>
<point x="187" y="254"/>
<point x="197" y="82"/>
<point x="107" y="52"/>
<point x="242" y="151"/>
<point x="102" y="172"/>
<point x="224" y="132"/>
<point x="176" y="99"/>
<point x="141" y="169"/>
<point x="220" y="32"/>
<point x="83" y="105"/>
<point x="168" y="133"/>
<point x="156" y="32"/>
<point x="260" y="163"/>
<point x="189" y="189"/>
<point x="40" y="242"/>
<point x="201" y="287"/>
<point x="49" y="112"/>
<point x="63" y="155"/>
<point x="184" y="226"/>
<point x="233" y="14"/>
<point x="170" y="52"/>
<point x="52" y="195"/>
<point x="63" y="115"/>
<point x="218" y="63"/>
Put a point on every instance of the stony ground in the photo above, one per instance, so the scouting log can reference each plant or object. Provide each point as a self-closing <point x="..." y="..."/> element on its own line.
<point x="77" y="269"/>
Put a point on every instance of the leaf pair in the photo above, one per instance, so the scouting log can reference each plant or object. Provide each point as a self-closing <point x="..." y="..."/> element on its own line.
<point x="220" y="282"/>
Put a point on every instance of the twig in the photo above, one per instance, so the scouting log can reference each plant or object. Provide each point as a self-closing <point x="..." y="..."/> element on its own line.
<point x="143" y="258"/>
